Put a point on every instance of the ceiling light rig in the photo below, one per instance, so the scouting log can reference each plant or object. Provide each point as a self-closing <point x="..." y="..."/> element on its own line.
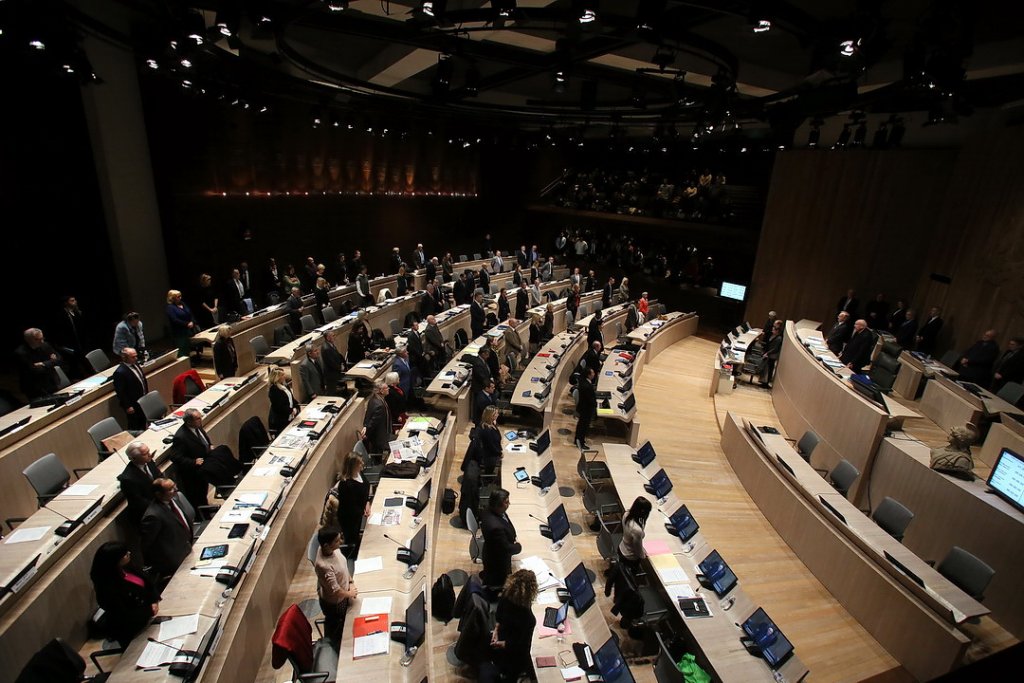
<point x="585" y="10"/>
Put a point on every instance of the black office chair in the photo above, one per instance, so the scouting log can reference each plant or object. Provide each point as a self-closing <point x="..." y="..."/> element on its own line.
<point x="806" y="445"/>
<point x="665" y="668"/>
<point x="322" y="653"/>
<point x="104" y="429"/>
<point x="883" y="371"/>
<point x="58" y="662"/>
<point x="591" y="468"/>
<point x="329" y="314"/>
<point x="308" y="324"/>
<point x="98" y="360"/>
<point x="893" y="517"/>
<point x="842" y="476"/>
<point x="1011" y="392"/>
<point x="260" y="348"/>
<point x="609" y="536"/>
<point x="49" y="477"/>
<point x="967" y="572"/>
<point x="950" y="358"/>
<point x="153" y="406"/>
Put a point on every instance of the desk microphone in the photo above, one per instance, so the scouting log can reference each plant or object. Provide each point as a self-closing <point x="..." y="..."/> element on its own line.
<point x="167" y="645"/>
<point x="640" y="472"/>
<point x="400" y="545"/>
<point x="67" y="527"/>
<point x="542" y="521"/>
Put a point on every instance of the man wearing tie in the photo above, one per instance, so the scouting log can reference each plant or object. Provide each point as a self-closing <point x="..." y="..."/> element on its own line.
<point x="166" y="529"/>
<point x="1009" y="367"/>
<point x="137" y="479"/>
<point x="130" y="385"/>
<point x="497" y="263"/>
<point x="189" y="451"/>
<point x="311" y="372"/>
<point x="500" y="542"/>
<point x="235" y="293"/>
<point x="477" y="315"/>
<point x="363" y="288"/>
<point x="419" y="257"/>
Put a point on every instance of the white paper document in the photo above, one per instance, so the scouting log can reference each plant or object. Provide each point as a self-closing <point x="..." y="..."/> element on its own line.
<point x="23" y="535"/>
<point x="375" y="519"/>
<point x="156" y="654"/>
<point x="80" y="490"/>
<point x="369" y="564"/>
<point x="255" y="498"/>
<point x="375" y="606"/>
<point x="540" y="570"/>
<point x="262" y="471"/>
<point x="377" y="644"/>
<point x="236" y="516"/>
<point x="209" y="570"/>
<point x="178" y="627"/>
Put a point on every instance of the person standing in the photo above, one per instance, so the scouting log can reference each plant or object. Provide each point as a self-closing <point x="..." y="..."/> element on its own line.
<point x="129" y="386"/>
<point x="166" y="530"/>
<point x="353" y="501"/>
<point x="631" y="548"/>
<point x="190" y="450"/>
<point x="311" y="371"/>
<point x="1009" y="367"/>
<point x="225" y="359"/>
<point x="586" y="406"/>
<point x="500" y="540"/>
<point x="928" y="334"/>
<point x="37" y="365"/>
<point x="137" y="479"/>
<point x="333" y="363"/>
<point x="334" y="584"/>
<point x="514" y="625"/>
<point x="129" y="333"/>
<point x="179" y="317"/>
<point x="72" y="338"/>
<point x="976" y="362"/>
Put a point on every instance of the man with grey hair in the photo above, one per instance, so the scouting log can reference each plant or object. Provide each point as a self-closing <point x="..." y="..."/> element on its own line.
<point x="376" y="430"/>
<point x="129" y="386"/>
<point x="137" y="479"/>
<point x="333" y="364"/>
<point x="189" y="451"/>
<point x="37" y="365"/>
<point x="311" y="372"/>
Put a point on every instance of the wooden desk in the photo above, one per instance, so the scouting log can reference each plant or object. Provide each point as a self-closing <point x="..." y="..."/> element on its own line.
<point x="950" y="512"/>
<point x="717" y="636"/>
<point x="609" y="316"/>
<point x="61" y="600"/>
<point x="948" y="404"/>
<point x="63" y="431"/>
<point x="249" y="617"/>
<point x="564" y="350"/>
<point x="389" y="581"/>
<point x="608" y="379"/>
<point x="661" y="333"/>
<point x="913" y="371"/>
<point x="925" y="644"/>
<point x="807" y="396"/>
<point x="1006" y="434"/>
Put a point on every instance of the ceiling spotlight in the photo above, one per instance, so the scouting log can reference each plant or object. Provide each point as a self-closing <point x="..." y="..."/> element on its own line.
<point x="37" y="44"/>
<point x="504" y="8"/>
<point x="762" y="26"/>
<point x="586" y="11"/>
<point x="187" y="63"/>
<point x="152" y="64"/>
<point x="848" y="48"/>
<point x="336" y="5"/>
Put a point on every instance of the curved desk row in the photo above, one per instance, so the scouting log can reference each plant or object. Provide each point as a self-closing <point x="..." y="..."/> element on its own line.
<point x="58" y="600"/>
<point x="548" y="373"/>
<point x="63" y="430"/>
<point x="269" y="552"/>
<point x="664" y="331"/>
<point x="846" y="559"/>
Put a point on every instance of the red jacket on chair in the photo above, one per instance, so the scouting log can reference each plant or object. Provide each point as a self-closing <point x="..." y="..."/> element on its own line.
<point x="293" y="637"/>
<point x="178" y="386"/>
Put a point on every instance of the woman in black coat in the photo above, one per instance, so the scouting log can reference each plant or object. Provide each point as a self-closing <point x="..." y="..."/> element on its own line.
<point x="129" y="599"/>
<point x="322" y="296"/>
<point x="283" y="406"/>
<point x="514" y="625"/>
<point x="490" y="440"/>
<point x="358" y="342"/>
<point x="500" y="540"/>
<point x="353" y="501"/>
<point x="225" y="360"/>
<point x="522" y="298"/>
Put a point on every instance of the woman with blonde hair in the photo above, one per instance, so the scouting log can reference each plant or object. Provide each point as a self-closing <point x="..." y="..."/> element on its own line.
<point x="225" y="360"/>
<point x="283" y="406"/>
<point x="490" y="440"/>
<point x="207" y="300"/>
<point x="513" y="630"/>
<point x="182" y="324"/>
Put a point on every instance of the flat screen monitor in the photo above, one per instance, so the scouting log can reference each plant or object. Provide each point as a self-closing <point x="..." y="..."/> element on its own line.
<point x="1007" y="478"/>
<point x="628" y="386"/>
<point x="718" y="573"/>
<point x="628" y="372"/>
<point x="581" y="591"/>
<point x="660" y="485"/>
<point x="774" y="647"/>
<point x="611" y="664"/>
<point x="543" y="442"/>
<point x="685" y="525"/>
<point x="628" y="404"/>
<point x="423" y="497"/>
<point x="418" y="546"/>
<point x="645" y="455"/>
<point x="416" y="621"/>
<point x="431" y="455"/>
<point x="732" y="290"/>
<point x="546" y="478"/>
<point x="869" y="390"/>
<point x="558" y="522"/>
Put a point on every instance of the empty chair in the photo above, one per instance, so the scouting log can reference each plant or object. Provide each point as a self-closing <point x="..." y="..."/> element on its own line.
<point x="313" y="547"/>
<point x="476" y="539"/>
<point x="893" y="517"/>
<point x="593" y="469"/>
<point x="98" y="360"/>
<point x="665" y="668"/>
<point x="253" y="440"/>
<point x="58" y="662"/>
<point x="1011" y="392"/>
<point x="463" y="258"/>
<point x="843" y="475"/>
<point x="891" y="349"/>
<point x="62" y="379"/>
<point x="950" y="358"/>
<point x="329" y="314"/>
<point x="260" y="348"/>
<point x="476" y="257"/>
<point x="308" y="324"/>
<point x="49" y="477"/>
<point x="968" y="572"/>
<point x="806" y="445"/>
<point x="282" y="335"/>
<point x="609" y="536"/>
<point x="600" y="502"/>
<point x="292" y="642"/>
<point x="395" y="328"/>
<point x="461" y="339"/>
<point x="273" y="298"/>
<point x="883" y="371"/>
<point x="153" y="406"/>
<point x="104" y="429"/>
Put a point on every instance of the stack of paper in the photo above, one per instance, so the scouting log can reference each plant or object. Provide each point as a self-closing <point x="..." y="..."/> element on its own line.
<point x="370" y="564"/>
<point x="541" y="570"/>
<point x="176" y="627"/>
<point x="157" y="654"/>
<point x="668" y="569"/>
<point x="375" y="605"/>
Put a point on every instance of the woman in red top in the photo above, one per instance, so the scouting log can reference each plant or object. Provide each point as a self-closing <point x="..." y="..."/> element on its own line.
<point x="641" y="306"/>
<point x="127" y="597"/>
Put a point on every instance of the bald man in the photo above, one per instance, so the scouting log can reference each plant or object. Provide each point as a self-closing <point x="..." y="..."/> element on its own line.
<point x="976" y="362"/>
<point x="857" y="352"/>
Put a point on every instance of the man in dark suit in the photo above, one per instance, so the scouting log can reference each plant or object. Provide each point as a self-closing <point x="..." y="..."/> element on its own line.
<point x="137" y="479"/>
<point x="460" y="290"/>
<point x="419" y="257"/>
<point x="414" y="344"/>
<point x="608" y="292"/>
<point x="898" y="316"/>
<point x="906" y="331"/>
<point x="839" y="334"/>
<point x="37" y="363"/>
<point x="333" y="364"/>
<point x="189" y="452"/>
<point x="483" y="280"/>
<point x="586" y="405"/>
<point x="433" y="342"/>
<point x="376" y="430"/>
<point x="522" y="299"/>
<point x="928" y="335"/>
<point x="272" y="275"/>
<point x="590" y="282"/>
<point x="592" y="358"/>
<point x="849" y="303"/>
<point x="477" y="315"/>
<point x="513" y="342"/>
<point x="311" y="372"/>
<point x="976" y="362"/>
<point x="432" y="265"/>
<point x="857" y="352"/>
<point x="522" y="258"/>
<point x="878" y="313"/>
<point x="234" y="293"/>
<point x="129" y="386"/>
<point x="294" y="307"/>
<point x="500" y="542"/>
<point x="363" y="287"/>
<point x="594" y="329"/>
<point x="166" y="529"/>
<point x="1009" y="367"/>
<point x="481" y="370"/>
<point x="396" y="259"/>
<point x="482" y="399"/>
<point x="72" y="338"/>
<point x="433" y="302"/>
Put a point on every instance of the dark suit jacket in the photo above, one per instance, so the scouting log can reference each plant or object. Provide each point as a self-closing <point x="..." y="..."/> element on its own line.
<point x="165" y="542"/>
<point x="129" y="390"/>
<point x="481" y="374"/>
<point x="481" y="400"/>
<point x="128" y="606"/>
<point x="838" y="336"/>
<point x="280" y="409"/>
<point x="312" y="377"/>
<point x="906" y="333"/>
<point x="433" y="342"/>
<point x="1011" y="367"/>
<point x="232" y="299"/>
<point x="334" y="365"/>
<point x="185" y="449"/>
<point x="606" y="295"/>
<point x="929" y="333"/>
<point x="499" y="547"/>
<point x="850" y="308"/>
<point x="225" y="360"/>
<point x="460" y="291"/>
<point x="476" y="319"/>
<point x="377" y="422"/>
<point x="858" y="350"/>
<point x="594" y="331"/>
<point x="503" y="309"/>
<point x="522" y="298"/>
<point x="980" y="358"/>
<point x="138" y="488"/>
<point x="586" y="403"/>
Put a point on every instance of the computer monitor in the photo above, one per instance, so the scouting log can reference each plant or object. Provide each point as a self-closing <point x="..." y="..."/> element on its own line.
<point x="541" y="395"/>
<point x="416" y="621"/>
<point x="628" y="404"/>
<point x="431" y="456"/>
<point x="543" y="442"/>
<point x="628" y="372"/>
<point x="774" y="646"/>
<point x="417" y="547"/>
<point x="546" y="478"/>
<point x="1007" y="478"/>
<point x="684" y="524"/>
<point x="733" y="290"/>
<point x="628" y="386"/>
<point x="717" y="573"/>
<point x="645" y="454"/>
<point x="660" y="485"/>
<point x="869" y="390"/>
<point x="422" y="498"/>
<point x="611" y="664"/>
<point x="558" y="524"/>
<point x="581" y="591"/>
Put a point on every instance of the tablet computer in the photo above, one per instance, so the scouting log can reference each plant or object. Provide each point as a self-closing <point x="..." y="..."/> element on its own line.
<point x="213" y="552"/>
